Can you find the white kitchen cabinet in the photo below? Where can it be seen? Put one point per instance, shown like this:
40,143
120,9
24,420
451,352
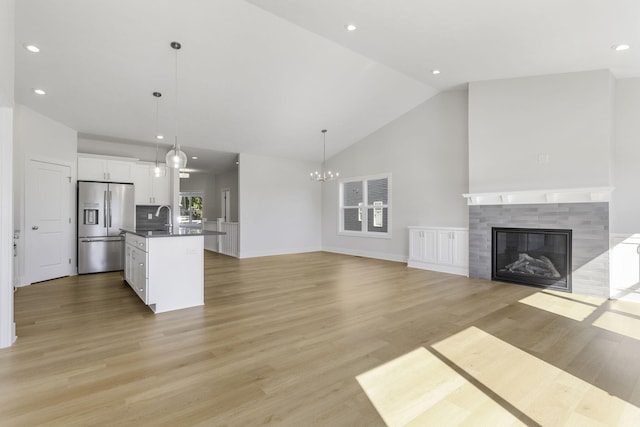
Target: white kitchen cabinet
105,168
439,249
140,279
127,263
423,244
149,189
136,271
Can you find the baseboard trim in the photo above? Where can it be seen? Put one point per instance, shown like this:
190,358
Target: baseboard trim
451,269
366,254
257,254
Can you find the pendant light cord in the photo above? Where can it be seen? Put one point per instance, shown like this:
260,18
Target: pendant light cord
324,151
177,106
157,96
157,130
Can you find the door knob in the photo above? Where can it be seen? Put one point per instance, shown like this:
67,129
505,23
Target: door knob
35,227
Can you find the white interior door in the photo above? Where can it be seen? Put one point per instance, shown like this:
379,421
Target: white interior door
226,205
47,221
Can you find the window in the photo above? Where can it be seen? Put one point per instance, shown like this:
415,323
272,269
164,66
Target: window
365,206
191,209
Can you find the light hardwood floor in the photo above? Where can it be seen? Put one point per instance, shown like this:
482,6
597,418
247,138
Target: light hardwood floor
319,339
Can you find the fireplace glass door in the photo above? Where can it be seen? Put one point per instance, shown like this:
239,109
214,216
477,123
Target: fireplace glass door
539,257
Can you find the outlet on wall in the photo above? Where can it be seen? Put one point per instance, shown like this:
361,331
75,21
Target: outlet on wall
544,158
149,216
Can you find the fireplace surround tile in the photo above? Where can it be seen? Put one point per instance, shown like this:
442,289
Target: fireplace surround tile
590,248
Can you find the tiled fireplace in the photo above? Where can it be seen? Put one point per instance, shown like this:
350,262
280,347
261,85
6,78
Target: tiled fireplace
587,221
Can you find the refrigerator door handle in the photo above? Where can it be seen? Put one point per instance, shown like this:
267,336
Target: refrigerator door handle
104,209
109,209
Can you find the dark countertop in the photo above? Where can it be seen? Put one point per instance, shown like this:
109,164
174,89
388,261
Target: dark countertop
175,232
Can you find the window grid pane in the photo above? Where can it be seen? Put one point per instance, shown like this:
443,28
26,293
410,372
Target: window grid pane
350,218
377,191
371,228
352,193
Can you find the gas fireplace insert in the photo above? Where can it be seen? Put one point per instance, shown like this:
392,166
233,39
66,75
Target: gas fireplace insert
531,256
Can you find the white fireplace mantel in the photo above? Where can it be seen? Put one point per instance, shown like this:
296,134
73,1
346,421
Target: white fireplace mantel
558,195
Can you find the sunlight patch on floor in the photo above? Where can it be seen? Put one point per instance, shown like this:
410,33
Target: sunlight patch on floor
620,324
418,389
545,393
629,307
574,307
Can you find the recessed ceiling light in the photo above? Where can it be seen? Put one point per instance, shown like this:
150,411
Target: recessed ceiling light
32,48
351,27
159,136
194,157
39,91
620,47
435,72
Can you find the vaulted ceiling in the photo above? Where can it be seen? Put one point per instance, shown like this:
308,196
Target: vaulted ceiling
265,76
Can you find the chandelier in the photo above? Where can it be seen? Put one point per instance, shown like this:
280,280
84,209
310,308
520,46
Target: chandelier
324,175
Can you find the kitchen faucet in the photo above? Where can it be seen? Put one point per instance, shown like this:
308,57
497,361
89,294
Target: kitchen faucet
170,216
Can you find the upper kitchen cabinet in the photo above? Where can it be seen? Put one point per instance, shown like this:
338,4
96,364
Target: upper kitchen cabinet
105,168
151,190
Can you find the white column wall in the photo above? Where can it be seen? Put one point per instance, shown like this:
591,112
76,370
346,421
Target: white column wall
626,203
7,326
7,65
279,206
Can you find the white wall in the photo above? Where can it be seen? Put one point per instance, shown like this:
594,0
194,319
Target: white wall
279,206
425,150
626,203
95,145
7,54
227,180
7,61
565,116
38,137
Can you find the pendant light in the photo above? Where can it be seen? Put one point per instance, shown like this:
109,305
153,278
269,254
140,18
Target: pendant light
324,175
175,157
157,170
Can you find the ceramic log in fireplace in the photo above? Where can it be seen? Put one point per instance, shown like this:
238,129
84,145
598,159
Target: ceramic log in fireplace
531,256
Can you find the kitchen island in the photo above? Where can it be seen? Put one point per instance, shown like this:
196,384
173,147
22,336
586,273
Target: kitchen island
165,268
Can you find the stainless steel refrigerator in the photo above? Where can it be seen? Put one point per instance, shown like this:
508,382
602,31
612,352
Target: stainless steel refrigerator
103,209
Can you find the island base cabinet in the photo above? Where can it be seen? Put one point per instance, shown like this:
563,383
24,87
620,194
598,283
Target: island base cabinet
176,272
167,273
139,273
